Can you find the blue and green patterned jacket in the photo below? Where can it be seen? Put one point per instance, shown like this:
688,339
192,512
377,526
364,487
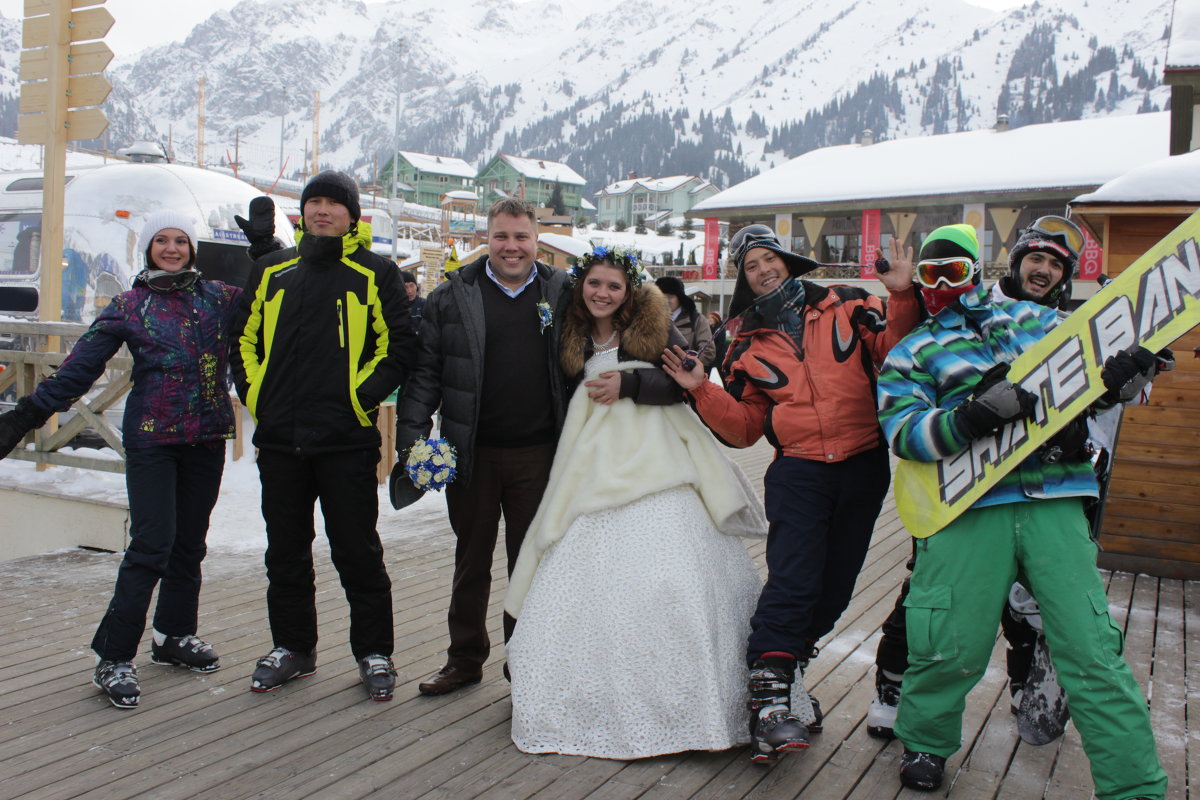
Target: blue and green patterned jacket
935,368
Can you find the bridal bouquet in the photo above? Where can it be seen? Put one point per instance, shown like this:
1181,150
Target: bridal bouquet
431,464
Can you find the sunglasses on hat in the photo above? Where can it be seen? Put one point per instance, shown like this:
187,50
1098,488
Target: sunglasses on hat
1063,229
948,272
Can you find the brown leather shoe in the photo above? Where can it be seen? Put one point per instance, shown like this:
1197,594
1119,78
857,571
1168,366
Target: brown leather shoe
449,679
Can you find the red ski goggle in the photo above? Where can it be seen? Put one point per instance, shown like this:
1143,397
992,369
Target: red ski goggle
948,272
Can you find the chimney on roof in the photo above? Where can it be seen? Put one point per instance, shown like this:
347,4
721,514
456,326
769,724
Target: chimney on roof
542,164
867,137
439,159
1002,123
632,176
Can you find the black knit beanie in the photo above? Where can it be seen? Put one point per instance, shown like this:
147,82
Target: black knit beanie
337,186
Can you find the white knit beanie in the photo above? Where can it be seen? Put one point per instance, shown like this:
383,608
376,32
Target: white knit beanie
160,220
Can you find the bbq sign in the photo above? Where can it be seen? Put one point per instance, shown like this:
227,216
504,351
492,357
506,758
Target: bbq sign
1152,303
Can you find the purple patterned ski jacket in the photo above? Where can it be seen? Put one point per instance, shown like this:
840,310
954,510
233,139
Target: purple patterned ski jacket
180,346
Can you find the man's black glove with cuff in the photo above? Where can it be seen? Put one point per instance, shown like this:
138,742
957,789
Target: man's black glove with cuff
994,403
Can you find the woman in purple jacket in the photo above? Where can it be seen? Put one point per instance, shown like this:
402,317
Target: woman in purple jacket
177,416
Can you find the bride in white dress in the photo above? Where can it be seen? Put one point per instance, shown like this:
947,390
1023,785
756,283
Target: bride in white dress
632,592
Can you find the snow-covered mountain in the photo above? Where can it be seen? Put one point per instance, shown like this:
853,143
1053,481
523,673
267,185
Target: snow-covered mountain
719,88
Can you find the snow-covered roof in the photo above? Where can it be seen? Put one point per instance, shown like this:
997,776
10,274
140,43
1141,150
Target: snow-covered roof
1058,155
564,243
1183,50
462,194
651,184
443,165
586,204
1174,179
543,170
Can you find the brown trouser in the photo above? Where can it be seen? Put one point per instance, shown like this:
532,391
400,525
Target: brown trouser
503,480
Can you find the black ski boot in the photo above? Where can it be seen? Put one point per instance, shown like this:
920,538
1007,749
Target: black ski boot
774,729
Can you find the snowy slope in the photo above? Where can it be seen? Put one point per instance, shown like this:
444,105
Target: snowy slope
470,75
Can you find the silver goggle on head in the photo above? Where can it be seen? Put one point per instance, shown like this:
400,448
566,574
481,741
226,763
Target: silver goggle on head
756,235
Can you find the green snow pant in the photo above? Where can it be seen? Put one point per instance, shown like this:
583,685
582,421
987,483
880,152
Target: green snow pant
962,577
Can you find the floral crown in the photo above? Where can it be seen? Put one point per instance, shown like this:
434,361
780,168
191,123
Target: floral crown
626,260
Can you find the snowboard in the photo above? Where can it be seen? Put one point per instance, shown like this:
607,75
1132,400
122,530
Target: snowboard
1043,713
1152,303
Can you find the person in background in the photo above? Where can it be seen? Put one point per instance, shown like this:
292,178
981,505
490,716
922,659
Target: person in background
689,321
324,337
416,303
943,387
802,372
179,329
489,359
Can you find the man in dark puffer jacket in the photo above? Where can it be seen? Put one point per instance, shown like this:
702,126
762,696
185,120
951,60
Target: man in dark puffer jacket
489,357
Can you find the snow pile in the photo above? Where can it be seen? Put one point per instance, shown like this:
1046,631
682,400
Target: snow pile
1175,179
236,525
1054,155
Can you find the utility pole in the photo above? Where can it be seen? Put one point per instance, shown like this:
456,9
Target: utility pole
200,125
282,119
237,158
316,136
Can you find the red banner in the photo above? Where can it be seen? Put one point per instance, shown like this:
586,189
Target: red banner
712,245
1091,260
870,242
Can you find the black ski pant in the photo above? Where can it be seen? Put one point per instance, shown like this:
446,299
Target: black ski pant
345,484
172,490
821,519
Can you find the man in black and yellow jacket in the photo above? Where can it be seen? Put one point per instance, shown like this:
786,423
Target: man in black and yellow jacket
325,336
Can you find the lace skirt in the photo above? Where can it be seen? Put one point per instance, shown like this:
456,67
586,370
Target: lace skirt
631,642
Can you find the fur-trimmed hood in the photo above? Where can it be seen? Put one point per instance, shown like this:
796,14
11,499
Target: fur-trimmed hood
644,339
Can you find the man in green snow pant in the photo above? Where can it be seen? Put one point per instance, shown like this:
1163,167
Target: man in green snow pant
962,577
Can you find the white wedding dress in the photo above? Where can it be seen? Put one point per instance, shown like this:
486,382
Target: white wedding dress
631,638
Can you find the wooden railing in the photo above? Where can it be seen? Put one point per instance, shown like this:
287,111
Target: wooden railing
25,368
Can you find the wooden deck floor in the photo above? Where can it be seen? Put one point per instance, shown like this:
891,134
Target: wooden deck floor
207,736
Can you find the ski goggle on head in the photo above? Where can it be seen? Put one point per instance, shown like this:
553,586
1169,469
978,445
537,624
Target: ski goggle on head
749,237
948,273
1064,230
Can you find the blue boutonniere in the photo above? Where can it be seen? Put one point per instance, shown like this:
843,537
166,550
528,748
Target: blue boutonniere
545,315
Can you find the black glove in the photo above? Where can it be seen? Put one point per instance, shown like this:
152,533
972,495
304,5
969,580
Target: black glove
18,422
1070,444
260,228
1126,373
995,403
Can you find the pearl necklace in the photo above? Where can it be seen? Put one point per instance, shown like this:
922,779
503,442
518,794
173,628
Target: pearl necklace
607,344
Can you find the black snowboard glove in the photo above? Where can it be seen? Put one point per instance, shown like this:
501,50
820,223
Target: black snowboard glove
18,422
1126,373
994,403
260,228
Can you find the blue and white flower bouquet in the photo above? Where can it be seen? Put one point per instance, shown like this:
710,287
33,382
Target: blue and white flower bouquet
431,464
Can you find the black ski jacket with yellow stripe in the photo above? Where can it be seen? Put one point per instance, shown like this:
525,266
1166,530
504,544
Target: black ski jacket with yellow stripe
324,337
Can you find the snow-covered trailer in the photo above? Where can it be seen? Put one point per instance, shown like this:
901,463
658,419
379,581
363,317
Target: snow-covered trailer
105,208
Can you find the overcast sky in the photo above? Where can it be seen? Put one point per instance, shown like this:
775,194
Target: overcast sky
145,23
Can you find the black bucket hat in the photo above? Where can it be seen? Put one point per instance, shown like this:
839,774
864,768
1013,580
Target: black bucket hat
745,240
674,286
